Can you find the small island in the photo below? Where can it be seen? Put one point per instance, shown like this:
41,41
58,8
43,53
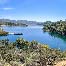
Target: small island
2,32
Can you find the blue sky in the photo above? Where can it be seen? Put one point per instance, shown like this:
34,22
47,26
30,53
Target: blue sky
36,10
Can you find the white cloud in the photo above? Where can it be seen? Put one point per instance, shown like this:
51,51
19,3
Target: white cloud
8,8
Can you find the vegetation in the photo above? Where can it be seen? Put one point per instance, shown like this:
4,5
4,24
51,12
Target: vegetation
9,22
24,53
12,24
2,32
56,27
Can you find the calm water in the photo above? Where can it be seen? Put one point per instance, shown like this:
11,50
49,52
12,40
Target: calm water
36,33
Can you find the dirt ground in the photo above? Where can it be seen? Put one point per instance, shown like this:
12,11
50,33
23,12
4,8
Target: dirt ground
61,63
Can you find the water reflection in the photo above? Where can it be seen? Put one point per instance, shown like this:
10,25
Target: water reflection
57,35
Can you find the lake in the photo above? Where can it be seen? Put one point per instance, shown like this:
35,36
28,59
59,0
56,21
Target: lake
36,33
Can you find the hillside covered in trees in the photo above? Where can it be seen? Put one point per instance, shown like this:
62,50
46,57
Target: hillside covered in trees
55,27
9,22
25,53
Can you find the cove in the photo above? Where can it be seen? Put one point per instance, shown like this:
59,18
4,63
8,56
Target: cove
36,33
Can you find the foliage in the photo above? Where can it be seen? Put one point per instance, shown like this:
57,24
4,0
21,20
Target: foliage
56,27
22,52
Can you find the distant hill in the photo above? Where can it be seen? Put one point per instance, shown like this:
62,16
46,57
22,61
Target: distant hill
25,22
30,22
9,22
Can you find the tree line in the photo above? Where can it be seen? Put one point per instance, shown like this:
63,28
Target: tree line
55,27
